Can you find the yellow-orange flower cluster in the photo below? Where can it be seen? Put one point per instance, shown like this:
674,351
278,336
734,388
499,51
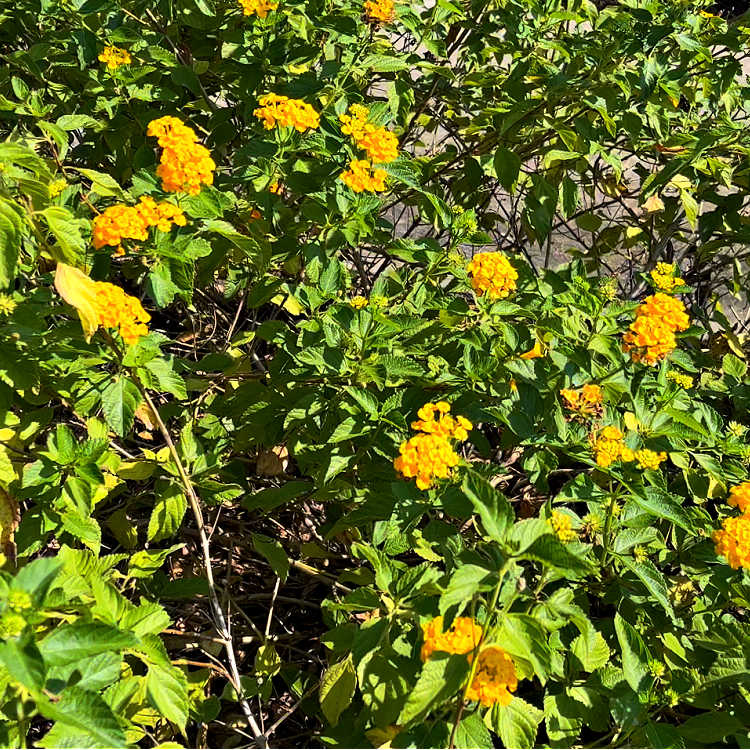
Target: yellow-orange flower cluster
562,526
380,11
733,541
609,447
648,459
362,177
285,112
462,637
259,8
495,678
664,278
120,222
185,164
492,274
652,334
380,145
739,497
585,401
114,57
430,454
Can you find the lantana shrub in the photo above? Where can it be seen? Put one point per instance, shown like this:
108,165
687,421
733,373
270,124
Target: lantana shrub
373,375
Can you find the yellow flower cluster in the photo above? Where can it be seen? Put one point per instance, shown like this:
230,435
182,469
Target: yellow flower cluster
739,497
380,11
492,273
664,277
358,302
56,187
380,145
285,112
685,381
585,401
121,222
430,455
259,8
185,164
733,541
609,447
495,678
462,637
362,177
114,57
562,525
648,459
652,334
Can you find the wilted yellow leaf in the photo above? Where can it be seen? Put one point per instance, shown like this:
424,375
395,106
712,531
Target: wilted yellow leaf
77,289
631,421
10,517
653,204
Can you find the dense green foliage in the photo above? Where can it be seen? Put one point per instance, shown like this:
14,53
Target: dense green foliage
205,540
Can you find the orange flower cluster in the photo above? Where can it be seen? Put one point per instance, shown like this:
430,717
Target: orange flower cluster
120,311
652,334
462,637
664,277
733,538
114,57
380,144
185,165
492,273
285,112
609,447
495,678
362,177
739,497
585,401
380,11
430,455
259,8
121,222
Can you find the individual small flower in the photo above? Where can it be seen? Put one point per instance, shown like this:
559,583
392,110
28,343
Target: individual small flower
495,678
277,110
733,541
358,302
354,120
492,274
435,419
361,177
739,497
684,381
114,57
462,637
56,187
651,336
259,8
7,304
379,11
648,459
562,525
640,553
609,447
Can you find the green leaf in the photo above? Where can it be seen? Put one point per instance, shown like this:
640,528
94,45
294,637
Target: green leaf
274,553
337,689
82,719
67,231
661,504
167,691
517,723
733,366
507,167
590,649
652,579
522,636
635,655
491,506
441,678
710,728
384,63
24,663
103,184
464,583
79,640
146,562
120,399
471,732
168,512
550,550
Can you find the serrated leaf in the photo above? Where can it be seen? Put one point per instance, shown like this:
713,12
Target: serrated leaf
274,553
652,579
71,642
441,678
590,649
663,505
167,691
337,689
491,506
120,399
517,723
168,512
635,655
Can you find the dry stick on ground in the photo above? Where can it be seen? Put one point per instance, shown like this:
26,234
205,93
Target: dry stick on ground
221,624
